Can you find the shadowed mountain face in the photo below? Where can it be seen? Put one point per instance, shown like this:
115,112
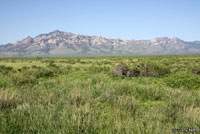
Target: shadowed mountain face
58,43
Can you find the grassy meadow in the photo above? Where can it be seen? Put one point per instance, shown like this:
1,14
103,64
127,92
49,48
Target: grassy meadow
99,95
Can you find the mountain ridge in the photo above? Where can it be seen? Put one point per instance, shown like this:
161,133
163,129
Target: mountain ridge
58,43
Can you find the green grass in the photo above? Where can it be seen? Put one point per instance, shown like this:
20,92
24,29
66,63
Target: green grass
80,96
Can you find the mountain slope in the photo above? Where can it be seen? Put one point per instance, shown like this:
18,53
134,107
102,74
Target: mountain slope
58,43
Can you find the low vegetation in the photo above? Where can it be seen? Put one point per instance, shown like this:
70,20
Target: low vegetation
99,95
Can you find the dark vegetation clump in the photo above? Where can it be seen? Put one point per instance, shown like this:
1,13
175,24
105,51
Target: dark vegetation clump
140,70
52,65
24,68
27,75
20,79
42,73
153,70
36,67
125,70
195,70
5,70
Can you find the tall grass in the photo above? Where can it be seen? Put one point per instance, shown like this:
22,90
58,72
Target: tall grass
80,96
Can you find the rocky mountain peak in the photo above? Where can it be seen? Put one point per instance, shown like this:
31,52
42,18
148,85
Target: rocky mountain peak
25,41
59,43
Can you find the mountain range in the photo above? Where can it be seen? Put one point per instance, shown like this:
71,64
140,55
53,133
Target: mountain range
66,44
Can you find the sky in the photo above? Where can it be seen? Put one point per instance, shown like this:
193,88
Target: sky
124,19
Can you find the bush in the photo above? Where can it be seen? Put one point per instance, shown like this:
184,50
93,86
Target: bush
42,73
24,68
52,65
122,69
142,70
187,81
195,70
153,70
71,61
31,76
69,67
35,67
5,70
23,78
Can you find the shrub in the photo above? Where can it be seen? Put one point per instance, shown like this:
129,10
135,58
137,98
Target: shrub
31,76
153,70
42,73
143,70
24,68
71,61
187,81
122,69
195,70
83,62
69,67
106,62
5,70
20,79
52,65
